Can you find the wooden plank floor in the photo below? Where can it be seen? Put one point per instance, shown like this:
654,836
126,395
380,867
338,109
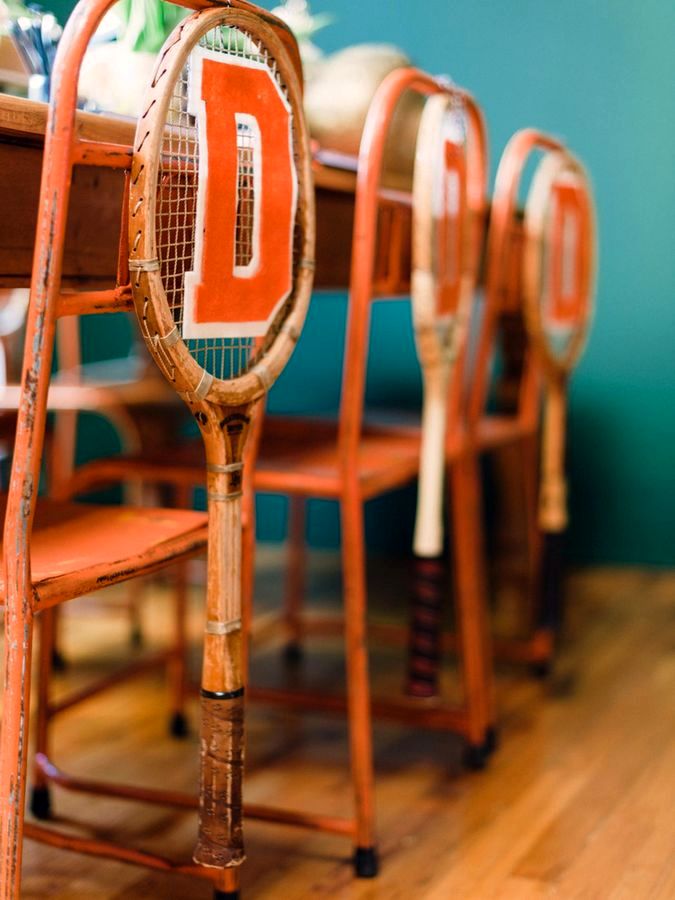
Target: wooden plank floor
577,803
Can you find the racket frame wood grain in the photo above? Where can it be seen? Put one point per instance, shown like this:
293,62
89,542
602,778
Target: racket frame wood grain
440,343
556,364
222,407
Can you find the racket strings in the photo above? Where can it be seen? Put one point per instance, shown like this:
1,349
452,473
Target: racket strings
246,195
224,358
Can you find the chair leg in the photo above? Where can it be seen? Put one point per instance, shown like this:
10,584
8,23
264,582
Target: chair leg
178,726
227,885
529,453
540,624
136,493
475,655
40,797
14,740
358,685
512,546
134,601
295,579
59,663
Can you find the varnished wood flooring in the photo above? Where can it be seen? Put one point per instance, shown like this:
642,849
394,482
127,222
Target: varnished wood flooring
579,801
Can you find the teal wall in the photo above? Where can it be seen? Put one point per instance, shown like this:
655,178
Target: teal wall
600,73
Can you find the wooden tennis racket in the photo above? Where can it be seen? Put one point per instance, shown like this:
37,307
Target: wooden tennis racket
558,285
221,243
449,186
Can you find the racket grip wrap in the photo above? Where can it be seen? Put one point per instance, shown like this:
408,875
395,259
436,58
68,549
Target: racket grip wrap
552,576
221,841
424,650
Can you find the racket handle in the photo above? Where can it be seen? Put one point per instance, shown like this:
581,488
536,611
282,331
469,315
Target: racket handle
551,582
221,842
424,649
553,486
428,535
553,509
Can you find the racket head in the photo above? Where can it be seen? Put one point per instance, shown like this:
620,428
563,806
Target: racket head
444,261
221,208
559,260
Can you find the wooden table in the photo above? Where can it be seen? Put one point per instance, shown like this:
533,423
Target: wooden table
96,203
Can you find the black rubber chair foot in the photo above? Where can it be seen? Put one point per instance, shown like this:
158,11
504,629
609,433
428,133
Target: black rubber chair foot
476,757
59,663
542,669
293,653
178,726
40,802
491,740
366,863
225,895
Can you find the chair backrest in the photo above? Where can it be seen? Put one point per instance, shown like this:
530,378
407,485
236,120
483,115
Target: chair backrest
371,198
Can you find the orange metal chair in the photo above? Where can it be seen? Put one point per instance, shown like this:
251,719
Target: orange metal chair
305,458
513,296
503,407
65,550
352,461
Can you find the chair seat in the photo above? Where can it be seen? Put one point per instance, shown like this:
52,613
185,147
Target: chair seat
495,430
181,464
301,456
296,456
77,548
127,382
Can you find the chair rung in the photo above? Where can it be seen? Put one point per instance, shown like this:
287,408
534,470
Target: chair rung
179,800
152,661
111,850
